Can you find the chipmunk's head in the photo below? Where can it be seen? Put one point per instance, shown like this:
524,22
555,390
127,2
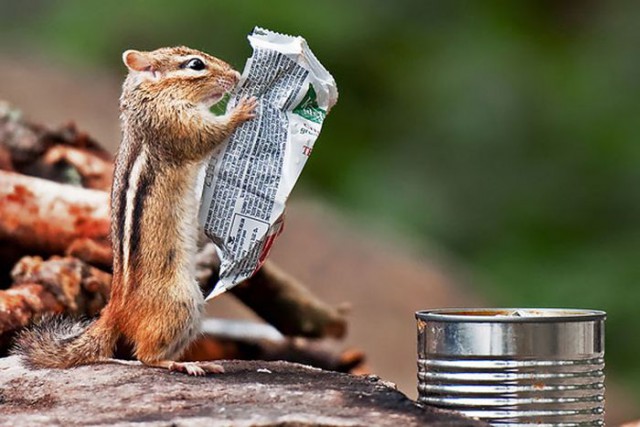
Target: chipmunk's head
180,74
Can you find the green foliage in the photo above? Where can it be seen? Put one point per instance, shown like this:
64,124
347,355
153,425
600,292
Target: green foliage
505,131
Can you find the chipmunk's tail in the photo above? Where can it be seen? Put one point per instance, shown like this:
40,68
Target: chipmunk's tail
59,342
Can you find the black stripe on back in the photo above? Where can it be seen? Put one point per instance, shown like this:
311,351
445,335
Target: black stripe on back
145,183
118,216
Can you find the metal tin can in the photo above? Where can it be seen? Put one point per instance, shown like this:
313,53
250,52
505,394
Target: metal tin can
515,367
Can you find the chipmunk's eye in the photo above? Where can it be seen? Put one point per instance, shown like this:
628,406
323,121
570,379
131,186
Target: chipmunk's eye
194,64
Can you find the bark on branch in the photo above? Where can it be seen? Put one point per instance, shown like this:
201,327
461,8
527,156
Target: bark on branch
41,217
59,285
291,307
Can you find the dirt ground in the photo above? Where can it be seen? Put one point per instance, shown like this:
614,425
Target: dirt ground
339,258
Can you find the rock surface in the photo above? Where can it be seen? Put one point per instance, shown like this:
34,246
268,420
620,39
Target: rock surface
248,394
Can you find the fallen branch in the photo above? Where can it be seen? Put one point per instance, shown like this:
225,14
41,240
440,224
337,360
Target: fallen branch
278,298
94,171
59,285
42,217
288,306
80,288
63,155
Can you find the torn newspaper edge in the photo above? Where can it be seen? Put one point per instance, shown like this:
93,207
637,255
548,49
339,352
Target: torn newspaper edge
250,176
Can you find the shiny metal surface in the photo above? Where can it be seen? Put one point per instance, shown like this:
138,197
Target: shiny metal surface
515,367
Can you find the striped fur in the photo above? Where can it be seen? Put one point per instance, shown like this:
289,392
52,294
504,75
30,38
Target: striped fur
155,301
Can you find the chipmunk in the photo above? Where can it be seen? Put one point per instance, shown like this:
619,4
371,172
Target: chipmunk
167,133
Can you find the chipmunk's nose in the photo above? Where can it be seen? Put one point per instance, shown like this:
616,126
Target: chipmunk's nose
236,76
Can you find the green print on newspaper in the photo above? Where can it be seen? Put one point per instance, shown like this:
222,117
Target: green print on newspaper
308,107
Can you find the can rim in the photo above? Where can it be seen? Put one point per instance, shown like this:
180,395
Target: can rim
504,315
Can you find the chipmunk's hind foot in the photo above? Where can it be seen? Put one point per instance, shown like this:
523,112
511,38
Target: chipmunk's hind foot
196,369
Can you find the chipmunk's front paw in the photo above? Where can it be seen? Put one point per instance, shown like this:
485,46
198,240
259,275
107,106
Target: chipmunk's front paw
245,109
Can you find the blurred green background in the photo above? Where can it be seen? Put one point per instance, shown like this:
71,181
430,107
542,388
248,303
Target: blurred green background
504,132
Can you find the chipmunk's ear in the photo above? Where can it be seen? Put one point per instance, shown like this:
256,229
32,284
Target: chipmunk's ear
137,61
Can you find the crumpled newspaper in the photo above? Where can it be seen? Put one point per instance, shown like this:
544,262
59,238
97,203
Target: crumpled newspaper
250,176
